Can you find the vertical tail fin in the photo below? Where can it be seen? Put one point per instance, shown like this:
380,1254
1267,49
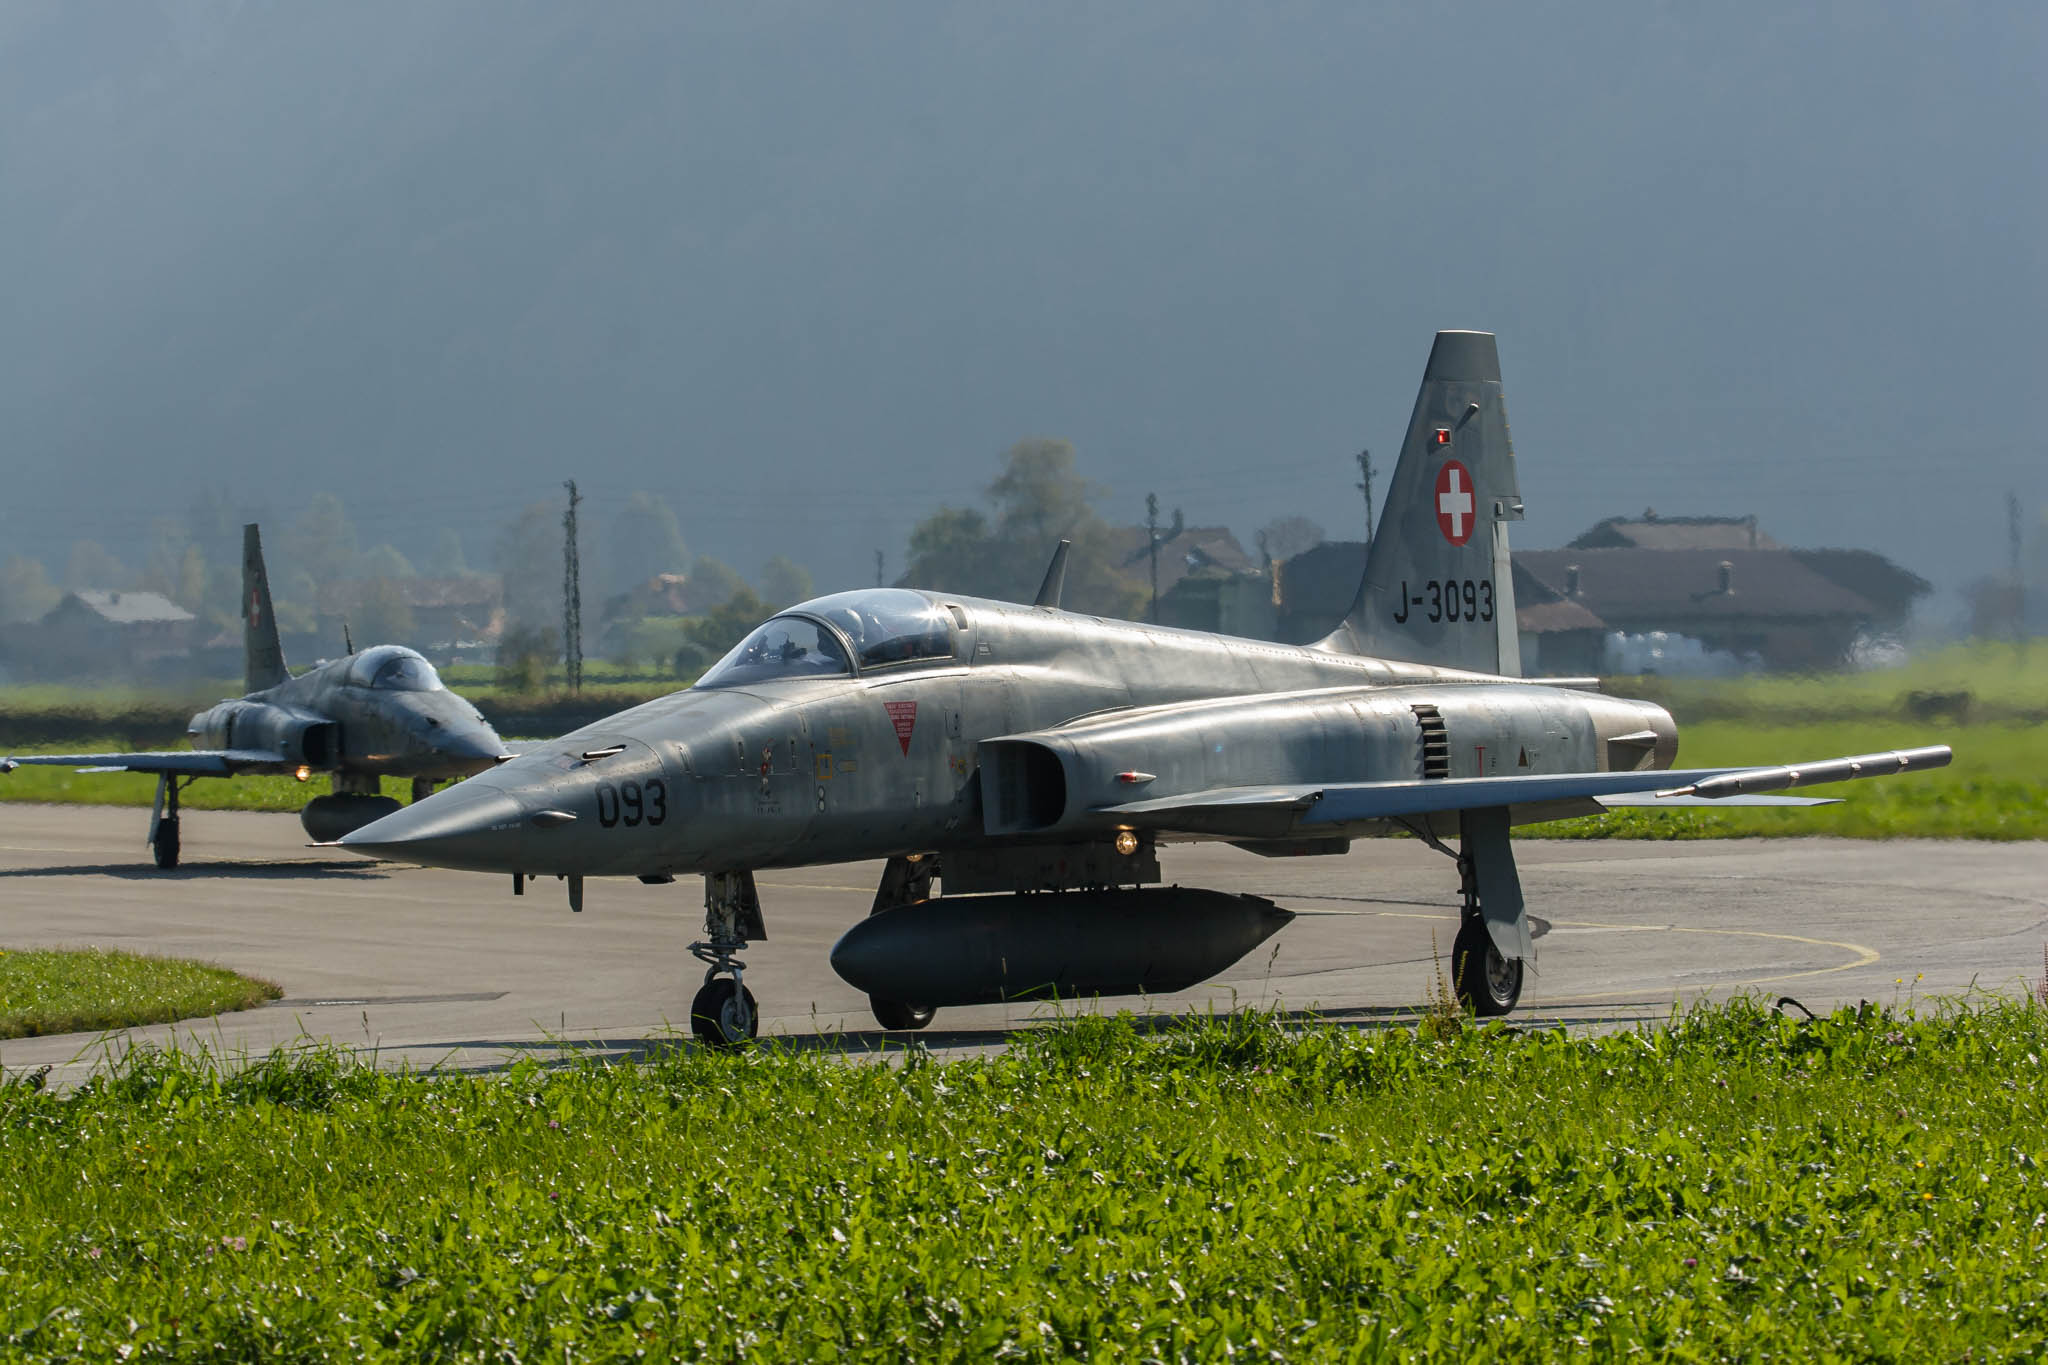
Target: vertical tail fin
263,655
1438,586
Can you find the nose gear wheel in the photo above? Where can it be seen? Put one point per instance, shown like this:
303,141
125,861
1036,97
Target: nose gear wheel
723,1013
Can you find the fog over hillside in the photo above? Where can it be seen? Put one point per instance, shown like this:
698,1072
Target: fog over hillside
807,270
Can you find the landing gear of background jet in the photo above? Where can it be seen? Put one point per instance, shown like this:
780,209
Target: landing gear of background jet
723,1014
422,788
904,880
163,822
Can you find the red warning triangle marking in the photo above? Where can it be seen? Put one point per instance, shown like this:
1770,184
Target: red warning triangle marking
902,715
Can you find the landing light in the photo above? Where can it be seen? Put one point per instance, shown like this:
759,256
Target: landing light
1126,842
303,772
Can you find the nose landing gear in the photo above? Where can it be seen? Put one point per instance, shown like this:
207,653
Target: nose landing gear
723,1014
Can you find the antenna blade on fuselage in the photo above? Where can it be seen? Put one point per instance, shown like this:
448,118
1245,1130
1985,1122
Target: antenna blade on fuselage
1055,584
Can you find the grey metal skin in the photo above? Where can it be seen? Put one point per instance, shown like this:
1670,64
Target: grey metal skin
379,712
1014,750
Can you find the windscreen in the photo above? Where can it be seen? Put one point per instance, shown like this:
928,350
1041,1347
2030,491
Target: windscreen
786,647
393,668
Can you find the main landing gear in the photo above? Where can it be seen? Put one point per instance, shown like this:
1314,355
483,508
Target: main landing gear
723,1014
904,881
1493,942
163,820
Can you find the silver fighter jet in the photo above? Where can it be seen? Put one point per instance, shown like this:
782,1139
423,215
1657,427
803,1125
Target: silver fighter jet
1031,763
380,712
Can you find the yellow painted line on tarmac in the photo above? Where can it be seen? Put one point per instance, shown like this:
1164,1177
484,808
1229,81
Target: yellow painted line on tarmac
1864,956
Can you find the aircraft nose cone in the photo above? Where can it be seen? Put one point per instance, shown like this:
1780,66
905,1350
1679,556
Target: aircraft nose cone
470,826
477,744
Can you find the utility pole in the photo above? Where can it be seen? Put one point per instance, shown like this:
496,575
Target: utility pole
1152,548
1153,540
572,593
2019,576
1365,487
878,568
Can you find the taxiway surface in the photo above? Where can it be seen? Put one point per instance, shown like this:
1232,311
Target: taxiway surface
428,966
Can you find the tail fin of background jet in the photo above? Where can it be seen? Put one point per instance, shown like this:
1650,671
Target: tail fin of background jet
1438,586
263,654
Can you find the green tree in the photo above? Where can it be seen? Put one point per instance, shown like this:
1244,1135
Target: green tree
713,584
383,616
1039,496
213,527
952,549
383,561
322,542
525,654
163,559
194,580
1040,499
718,630
92,566
447,559
784,582
26,592
645,541
528,556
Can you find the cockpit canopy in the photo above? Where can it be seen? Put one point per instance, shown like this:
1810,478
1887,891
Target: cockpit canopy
885,626
393,668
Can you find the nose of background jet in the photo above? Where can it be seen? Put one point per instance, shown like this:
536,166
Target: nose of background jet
474,743
471,826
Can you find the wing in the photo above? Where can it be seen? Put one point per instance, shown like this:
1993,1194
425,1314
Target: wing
182,762
1276,812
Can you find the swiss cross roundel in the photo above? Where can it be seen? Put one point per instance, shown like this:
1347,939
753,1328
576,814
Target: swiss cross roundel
1455,502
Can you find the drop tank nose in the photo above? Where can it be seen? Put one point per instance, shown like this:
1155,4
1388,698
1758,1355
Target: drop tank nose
473,826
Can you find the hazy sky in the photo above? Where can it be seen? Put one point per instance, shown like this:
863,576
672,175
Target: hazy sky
807,270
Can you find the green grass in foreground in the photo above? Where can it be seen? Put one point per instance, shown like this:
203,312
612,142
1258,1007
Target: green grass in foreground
1736,1187
79,990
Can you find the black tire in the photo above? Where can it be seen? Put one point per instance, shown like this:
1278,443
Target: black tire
165,845
898,1017
1486,983
716,1016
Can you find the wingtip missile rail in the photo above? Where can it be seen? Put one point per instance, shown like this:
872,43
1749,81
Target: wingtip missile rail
1791,775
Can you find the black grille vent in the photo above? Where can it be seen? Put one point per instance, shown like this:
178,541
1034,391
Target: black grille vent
1436,741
